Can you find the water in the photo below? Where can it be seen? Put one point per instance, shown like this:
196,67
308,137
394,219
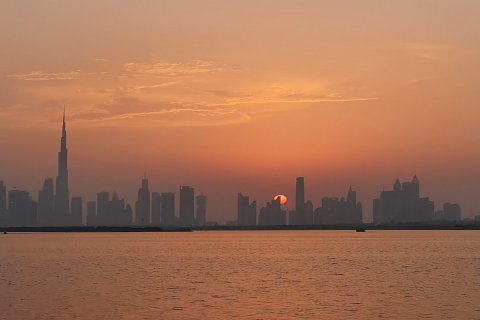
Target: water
241,274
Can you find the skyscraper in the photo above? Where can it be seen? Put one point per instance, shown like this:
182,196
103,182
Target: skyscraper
118,214
142,206
339,211
299,195
246,211
303,214
91,213
62,198
3,201
168,209
187,207
46,204
156,208
272,214
76,211
403,204
452,212
22,209
201,215
103,208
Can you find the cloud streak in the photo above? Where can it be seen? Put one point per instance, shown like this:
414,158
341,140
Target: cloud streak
170,117
173,69
45,76
292,101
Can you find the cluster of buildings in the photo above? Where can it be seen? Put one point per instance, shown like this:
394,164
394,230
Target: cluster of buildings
401,205
404,204
55,207
333,210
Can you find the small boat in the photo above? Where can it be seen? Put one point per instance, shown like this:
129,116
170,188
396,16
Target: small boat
359,230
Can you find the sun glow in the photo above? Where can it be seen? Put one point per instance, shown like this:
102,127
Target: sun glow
283,199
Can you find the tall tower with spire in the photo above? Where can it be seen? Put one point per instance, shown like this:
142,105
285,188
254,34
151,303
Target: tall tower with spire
62,198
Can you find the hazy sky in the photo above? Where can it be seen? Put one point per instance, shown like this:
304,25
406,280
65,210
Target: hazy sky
232,96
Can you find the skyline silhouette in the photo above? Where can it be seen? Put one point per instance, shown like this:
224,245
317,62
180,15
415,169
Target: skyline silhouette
195,96
403,204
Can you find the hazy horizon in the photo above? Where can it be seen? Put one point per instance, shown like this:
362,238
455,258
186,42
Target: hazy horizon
243,96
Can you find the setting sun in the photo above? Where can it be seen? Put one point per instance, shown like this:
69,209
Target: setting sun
283,199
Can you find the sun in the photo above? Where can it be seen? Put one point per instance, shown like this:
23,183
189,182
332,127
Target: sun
283,198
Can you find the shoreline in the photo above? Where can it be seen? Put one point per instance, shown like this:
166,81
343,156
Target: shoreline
366,227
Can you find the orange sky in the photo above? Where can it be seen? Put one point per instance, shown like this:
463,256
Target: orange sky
232,96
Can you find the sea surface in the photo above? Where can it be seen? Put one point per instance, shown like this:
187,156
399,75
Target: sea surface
241,275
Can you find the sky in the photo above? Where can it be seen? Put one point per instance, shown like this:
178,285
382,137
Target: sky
243,96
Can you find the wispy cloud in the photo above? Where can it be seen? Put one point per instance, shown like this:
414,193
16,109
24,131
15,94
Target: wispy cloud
169,117
138,88
173,69
45,76
289,101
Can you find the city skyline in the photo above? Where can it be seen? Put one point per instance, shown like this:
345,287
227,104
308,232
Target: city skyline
244,96
404,204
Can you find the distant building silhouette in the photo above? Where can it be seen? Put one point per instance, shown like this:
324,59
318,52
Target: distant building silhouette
201,214
303,214
168,209
339,211
119,214
62,197
452,212
403,204
110,212
299,194
46,204
272,214
21,208
142,206
103,208
129,214
246,211
76,211
156,208
187,206
3,202
91,213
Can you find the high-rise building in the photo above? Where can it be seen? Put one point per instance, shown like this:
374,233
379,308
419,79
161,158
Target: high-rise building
272,214
142,206
339,211
46,204
22,209
76,211
187,206
118,214
156,208
201,214
403,204
129,213
303,214
3,201
91,213
103,208
246,211
299,194
452,212
62,198
168,209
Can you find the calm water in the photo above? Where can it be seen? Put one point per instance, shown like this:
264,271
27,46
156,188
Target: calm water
244,274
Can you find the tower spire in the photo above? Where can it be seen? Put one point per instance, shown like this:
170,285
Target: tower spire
62,197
